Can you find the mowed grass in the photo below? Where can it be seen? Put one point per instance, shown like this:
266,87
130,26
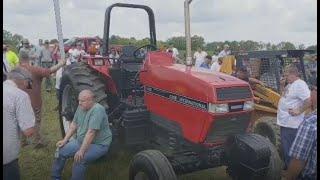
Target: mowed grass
35,164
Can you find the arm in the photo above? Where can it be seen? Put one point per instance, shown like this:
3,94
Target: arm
295,168
282,85
28,132
306,105
90,135
25,115
301,149
303,93
71,131
57,66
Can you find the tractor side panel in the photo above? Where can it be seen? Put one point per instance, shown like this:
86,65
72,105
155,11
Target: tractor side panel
190,119
175,97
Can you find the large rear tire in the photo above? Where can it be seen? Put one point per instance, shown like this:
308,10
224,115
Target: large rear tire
75,78
151,165
239,171
275,164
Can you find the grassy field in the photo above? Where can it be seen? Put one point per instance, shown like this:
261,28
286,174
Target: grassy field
36,164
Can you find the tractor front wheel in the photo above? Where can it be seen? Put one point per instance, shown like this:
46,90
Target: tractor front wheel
151,165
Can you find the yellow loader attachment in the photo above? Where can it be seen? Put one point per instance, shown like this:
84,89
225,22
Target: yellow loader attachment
267,94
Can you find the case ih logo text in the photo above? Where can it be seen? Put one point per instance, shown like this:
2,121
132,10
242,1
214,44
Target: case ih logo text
178,98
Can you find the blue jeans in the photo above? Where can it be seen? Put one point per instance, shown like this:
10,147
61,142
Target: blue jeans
11,171
93,153
287,137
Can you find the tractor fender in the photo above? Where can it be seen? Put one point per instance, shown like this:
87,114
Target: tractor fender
104,72
252,156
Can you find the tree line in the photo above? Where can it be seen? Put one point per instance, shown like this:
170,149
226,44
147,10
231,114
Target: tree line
179,42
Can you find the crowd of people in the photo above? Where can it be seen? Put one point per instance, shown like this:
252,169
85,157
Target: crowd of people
22,106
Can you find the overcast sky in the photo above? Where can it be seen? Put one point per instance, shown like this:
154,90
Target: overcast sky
259,20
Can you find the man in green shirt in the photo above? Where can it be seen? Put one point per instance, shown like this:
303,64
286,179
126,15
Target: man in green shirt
93,137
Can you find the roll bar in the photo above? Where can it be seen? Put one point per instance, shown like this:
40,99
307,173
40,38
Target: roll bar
152,27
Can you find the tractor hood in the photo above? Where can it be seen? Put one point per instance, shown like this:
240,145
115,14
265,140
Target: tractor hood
200,84
180,96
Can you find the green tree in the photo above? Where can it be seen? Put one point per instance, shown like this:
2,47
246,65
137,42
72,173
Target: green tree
13,40
178,42
313,47
286,46
196,41
301,46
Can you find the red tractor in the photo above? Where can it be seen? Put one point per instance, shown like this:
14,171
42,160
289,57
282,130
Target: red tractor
184,119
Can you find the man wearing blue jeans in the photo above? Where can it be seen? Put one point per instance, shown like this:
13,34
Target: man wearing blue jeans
295,99
93,137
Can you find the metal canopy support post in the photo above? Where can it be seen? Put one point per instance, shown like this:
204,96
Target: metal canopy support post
187,31
59,27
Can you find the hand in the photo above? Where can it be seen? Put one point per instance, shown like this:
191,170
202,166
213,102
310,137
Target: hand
294,112
61,143
63,61
283,81
78,156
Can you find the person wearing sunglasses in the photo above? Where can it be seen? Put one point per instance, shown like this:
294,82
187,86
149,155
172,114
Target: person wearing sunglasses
303,152
18,116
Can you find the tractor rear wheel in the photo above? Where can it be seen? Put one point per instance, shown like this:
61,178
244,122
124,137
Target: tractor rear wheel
275,164
267,126
243,171
151,165
75,78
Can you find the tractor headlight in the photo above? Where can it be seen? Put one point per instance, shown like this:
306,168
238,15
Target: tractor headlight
218,108
98,62
248,105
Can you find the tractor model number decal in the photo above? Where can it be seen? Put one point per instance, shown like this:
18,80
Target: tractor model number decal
177,98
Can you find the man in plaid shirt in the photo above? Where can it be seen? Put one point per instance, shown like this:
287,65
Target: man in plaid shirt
303,152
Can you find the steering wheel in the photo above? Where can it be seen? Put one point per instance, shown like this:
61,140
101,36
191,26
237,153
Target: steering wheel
140,55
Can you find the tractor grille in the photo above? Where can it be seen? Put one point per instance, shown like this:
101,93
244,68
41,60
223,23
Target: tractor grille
233,93
222,127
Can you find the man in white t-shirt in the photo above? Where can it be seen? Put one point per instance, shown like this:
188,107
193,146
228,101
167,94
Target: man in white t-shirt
225,52
199,56
174,50
76,53
295,99
215,67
